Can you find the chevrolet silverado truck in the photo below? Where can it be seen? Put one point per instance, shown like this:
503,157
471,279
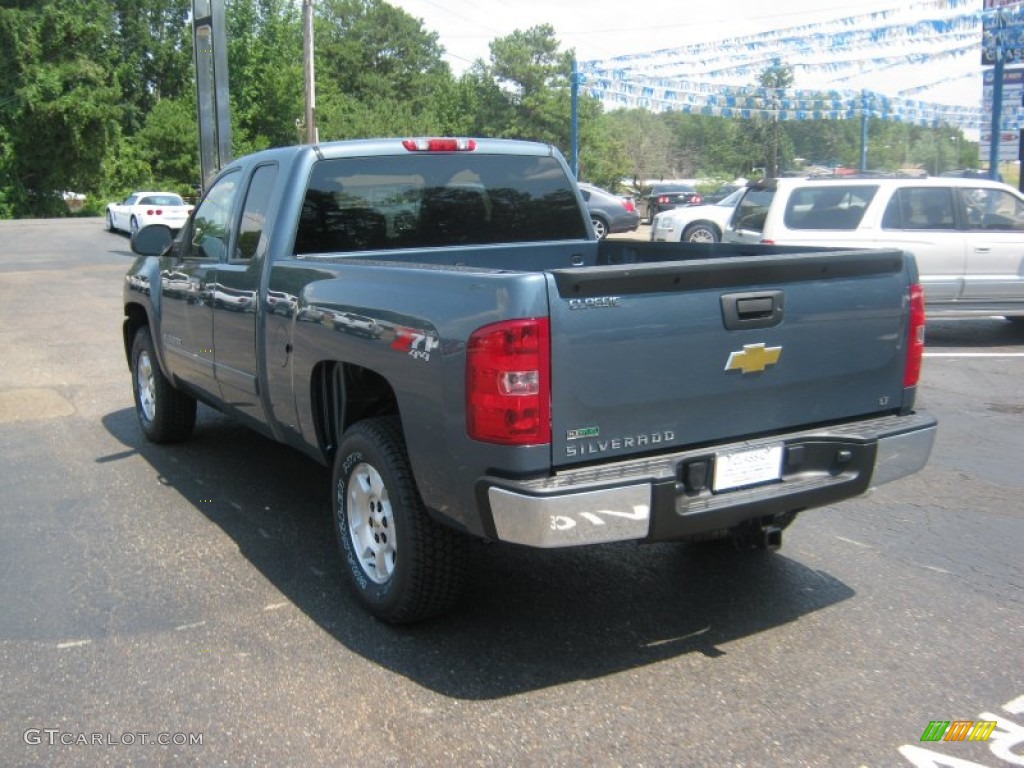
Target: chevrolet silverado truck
436,319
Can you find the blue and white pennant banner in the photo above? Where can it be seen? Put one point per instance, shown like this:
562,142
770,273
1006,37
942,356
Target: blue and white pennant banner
692,79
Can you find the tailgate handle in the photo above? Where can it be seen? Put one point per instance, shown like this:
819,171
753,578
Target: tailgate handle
760,309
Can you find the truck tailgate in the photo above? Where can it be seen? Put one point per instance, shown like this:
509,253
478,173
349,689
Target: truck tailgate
652,356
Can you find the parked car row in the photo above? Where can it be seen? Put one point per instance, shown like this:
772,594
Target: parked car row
966,234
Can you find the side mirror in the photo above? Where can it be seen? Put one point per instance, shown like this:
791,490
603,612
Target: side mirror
152,240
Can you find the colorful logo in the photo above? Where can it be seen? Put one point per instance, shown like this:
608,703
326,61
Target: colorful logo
754,358
958,730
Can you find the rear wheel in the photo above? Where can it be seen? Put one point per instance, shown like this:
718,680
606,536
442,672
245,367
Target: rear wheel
402,565
134,226
166,415
600,228
701,233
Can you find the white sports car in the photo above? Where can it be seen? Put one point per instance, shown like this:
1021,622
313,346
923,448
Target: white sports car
142,208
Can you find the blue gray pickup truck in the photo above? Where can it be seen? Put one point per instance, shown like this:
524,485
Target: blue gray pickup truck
436,319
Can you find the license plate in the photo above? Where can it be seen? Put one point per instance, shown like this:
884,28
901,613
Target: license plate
742,468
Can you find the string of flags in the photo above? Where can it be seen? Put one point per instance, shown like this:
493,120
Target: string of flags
694,79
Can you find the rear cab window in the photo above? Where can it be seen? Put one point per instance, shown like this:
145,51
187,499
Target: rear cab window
387,202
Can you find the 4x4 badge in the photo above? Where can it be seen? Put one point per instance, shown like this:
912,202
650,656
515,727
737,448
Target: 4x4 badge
753,359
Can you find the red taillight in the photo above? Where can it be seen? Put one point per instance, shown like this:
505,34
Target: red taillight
149,212
696,200
915,337
439,145
662,199
508,383
628,205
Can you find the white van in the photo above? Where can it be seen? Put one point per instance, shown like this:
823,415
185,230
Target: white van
967,235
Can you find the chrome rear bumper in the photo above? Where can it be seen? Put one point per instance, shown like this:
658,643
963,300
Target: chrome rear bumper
651,498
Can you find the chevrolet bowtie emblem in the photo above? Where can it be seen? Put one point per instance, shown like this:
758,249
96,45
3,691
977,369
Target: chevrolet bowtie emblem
753,359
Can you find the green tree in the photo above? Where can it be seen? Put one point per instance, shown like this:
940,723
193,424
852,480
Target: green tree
378,70
770,135
265,73
528,81
168,144
151,44
60,101
649,139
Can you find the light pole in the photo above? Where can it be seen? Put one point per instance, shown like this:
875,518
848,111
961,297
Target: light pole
956,162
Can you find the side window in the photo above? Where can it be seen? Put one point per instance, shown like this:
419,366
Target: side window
254,214
920,208
211,226
992,209
832,207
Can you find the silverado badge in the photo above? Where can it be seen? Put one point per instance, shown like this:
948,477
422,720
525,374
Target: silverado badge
753,359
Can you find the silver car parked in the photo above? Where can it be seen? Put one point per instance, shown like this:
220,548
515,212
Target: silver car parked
609,213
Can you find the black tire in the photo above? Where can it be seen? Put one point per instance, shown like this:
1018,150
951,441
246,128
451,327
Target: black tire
166,415
600,228
701,233
378,514
110,222
133,226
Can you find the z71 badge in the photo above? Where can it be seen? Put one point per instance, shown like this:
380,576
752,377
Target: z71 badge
417,344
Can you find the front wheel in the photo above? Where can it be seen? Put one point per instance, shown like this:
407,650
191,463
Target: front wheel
403,566
110,222
166,415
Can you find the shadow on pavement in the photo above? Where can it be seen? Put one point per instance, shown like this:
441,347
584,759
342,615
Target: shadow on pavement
980,332
530,619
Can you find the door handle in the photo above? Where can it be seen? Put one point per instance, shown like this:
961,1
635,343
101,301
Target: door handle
758,309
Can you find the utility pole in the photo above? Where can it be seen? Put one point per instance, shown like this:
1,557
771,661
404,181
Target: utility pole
210,51
312,135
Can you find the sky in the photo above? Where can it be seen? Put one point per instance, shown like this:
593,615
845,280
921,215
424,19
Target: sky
603,29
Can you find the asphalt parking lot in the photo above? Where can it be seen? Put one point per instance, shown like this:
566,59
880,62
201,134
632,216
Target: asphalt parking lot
185,606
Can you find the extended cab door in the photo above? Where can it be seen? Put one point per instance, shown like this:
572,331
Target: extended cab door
235,309
189,288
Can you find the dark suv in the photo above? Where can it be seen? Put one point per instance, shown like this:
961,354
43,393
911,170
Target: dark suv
665,197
